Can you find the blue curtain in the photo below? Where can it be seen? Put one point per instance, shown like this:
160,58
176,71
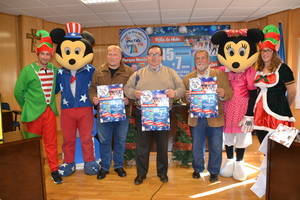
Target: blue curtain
281,51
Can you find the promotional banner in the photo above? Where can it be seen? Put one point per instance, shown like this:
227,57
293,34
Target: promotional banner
179,44
204,99
155,110
111,103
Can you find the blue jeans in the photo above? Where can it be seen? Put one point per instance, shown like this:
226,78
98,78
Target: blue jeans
214,137
116,132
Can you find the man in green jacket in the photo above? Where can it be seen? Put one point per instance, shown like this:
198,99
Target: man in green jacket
35,93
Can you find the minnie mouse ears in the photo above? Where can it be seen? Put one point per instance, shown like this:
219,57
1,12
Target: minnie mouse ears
255,35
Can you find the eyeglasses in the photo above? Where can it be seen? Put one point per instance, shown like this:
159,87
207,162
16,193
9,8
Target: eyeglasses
154,54
266,50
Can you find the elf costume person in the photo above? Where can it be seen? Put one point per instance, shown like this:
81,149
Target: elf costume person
277,90
34,92
276,84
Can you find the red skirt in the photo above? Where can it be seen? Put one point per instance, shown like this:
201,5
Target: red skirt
263,119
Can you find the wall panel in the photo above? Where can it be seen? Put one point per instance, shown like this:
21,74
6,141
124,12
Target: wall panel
9,58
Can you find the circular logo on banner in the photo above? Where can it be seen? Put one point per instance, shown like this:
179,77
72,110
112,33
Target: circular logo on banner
195,84
103,90
147,96
134,42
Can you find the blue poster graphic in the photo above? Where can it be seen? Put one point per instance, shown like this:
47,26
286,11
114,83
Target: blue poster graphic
179,44
204,99
155,110
111,104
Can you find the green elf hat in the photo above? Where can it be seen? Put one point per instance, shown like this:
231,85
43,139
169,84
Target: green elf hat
46,43
272,38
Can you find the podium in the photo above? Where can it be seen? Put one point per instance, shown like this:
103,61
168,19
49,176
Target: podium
22,170
283,171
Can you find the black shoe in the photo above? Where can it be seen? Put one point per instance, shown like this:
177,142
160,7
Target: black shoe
213,178
101,174
196,174
163,178
56,177
121,172
139,180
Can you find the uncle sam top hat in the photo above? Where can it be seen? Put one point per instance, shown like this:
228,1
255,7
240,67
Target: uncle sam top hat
73,30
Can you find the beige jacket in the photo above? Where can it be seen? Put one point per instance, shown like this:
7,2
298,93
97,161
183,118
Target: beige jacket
147,79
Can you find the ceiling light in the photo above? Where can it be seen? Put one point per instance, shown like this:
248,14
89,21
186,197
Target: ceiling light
98,1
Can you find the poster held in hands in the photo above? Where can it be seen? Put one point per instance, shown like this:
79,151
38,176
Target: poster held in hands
204,99
155,110
111,103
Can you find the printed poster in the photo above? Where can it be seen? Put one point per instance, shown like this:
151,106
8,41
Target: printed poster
155,110
284,135
111,104
204,99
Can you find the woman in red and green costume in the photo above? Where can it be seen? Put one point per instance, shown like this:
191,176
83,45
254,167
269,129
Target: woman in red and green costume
35,93
274,79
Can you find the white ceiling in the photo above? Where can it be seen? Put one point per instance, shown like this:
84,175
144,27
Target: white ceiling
142,12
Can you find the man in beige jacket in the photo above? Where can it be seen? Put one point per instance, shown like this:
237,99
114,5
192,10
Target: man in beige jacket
210,128
155,76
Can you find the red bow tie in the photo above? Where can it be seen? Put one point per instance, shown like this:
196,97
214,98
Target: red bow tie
73,78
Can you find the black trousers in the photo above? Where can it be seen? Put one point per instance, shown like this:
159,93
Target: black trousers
143,146
261,134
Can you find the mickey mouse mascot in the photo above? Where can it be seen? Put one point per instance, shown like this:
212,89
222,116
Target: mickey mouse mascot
74,53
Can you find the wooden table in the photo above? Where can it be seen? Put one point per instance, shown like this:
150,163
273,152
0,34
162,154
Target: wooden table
22,170
283,172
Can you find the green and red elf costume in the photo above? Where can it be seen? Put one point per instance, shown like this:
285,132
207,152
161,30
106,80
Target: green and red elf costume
272,107
35,93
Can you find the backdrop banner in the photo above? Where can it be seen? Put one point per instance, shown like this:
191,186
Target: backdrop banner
179,44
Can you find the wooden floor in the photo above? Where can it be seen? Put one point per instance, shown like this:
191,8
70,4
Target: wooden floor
181,185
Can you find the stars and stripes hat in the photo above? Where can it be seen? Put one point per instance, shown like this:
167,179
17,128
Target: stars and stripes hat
46,43
73,30
272,37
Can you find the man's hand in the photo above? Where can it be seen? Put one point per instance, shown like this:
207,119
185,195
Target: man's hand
95,101
170,93
247,124
220,92
126,101
138,94
188,96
